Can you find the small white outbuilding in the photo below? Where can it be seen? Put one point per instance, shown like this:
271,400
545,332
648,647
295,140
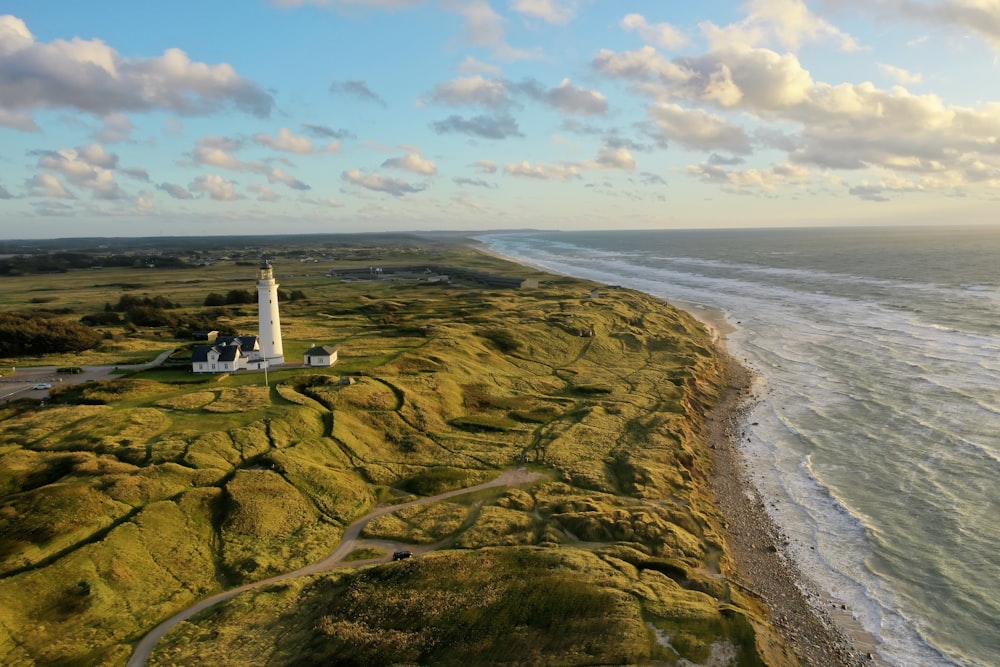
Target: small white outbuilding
320,355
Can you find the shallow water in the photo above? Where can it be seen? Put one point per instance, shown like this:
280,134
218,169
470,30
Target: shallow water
877,437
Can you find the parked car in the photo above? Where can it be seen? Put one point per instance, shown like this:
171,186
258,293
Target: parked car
42,385
400,555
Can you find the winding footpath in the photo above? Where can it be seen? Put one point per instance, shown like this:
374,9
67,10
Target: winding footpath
348,542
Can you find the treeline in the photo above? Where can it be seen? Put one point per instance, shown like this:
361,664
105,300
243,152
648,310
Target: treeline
182,324
133,311
139,310
157,311
239,297
33,333
61,262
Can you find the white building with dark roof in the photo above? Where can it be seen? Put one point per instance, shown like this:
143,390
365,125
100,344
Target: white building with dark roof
320,356
232,353
220,358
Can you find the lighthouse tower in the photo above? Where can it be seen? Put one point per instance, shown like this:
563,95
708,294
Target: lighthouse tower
269,329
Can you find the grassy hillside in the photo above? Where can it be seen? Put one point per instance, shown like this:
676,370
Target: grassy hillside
128,500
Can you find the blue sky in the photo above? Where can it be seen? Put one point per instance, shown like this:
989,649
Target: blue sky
121,118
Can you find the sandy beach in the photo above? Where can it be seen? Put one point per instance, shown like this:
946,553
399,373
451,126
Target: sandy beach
819,633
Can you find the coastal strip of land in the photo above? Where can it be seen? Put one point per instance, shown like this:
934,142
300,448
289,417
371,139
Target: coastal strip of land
163,488
756,545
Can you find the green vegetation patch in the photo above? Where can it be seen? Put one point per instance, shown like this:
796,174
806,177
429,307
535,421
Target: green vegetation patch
484,423
365,553
482,608
241,399
269,526
439,479
500,526
422,524
190,401
126,500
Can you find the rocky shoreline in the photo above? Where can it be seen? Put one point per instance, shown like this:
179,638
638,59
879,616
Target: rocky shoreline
756,545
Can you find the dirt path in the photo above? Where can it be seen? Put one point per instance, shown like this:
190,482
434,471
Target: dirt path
347,544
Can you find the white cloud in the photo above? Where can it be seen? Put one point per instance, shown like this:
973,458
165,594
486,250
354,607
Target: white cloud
216,151
88,75
501,126
979,17
644,64
748,181
144,202
611,157
47,185
175,191
412,162
473,182
472,91
286,141
358,89
901,75
279,175
472,66
540,171
553,11
697,129
396,187
486,166
263,192
567,98
117,128
789,23
661,35
465,200
757,79
215,186
18,120
97,156
497,94
483,26
90,167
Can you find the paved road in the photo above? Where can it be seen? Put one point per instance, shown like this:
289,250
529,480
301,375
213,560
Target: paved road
13,385
336,559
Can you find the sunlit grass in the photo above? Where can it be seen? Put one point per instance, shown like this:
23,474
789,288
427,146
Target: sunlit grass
157,488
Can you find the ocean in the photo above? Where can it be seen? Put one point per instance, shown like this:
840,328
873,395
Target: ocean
876,436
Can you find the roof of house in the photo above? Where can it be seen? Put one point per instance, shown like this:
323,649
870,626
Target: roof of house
321,351
226,352
229,352
246,342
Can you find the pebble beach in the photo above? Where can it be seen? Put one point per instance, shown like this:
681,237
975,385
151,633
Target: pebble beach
820,633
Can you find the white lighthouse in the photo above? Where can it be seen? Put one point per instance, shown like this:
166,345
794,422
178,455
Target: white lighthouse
269,330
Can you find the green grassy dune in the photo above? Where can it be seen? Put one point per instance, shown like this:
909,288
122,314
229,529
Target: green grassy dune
128,500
